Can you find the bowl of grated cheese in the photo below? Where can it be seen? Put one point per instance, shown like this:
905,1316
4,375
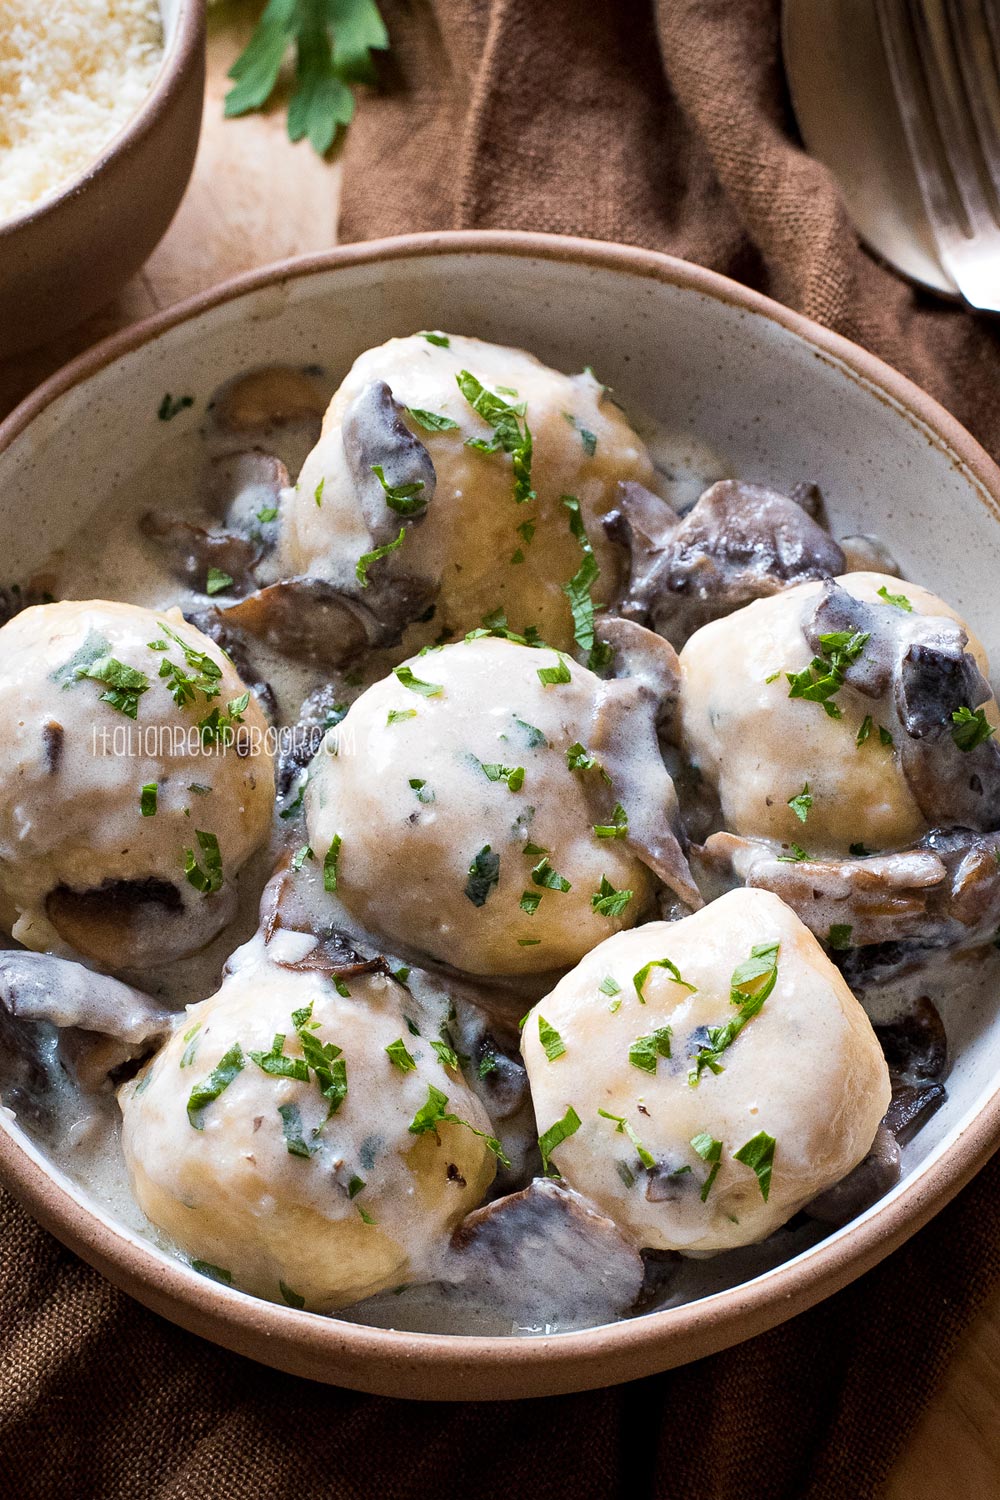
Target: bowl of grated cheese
100,110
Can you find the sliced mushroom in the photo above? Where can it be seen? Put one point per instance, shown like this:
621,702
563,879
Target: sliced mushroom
213,623
740,542
274,396
376,438
62,1024
912,1106
544,1256
644,656
944,892
914,1043
245,485
133,924
320,711
190,550
871,1179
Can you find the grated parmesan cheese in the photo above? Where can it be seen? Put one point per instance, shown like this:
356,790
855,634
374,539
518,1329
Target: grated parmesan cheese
72,73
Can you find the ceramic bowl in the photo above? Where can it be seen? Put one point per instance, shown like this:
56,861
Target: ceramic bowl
69,256
778,399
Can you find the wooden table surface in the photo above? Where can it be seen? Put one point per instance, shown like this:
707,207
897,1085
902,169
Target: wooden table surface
254,198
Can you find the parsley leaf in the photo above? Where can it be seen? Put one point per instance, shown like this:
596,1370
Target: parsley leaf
552,676
508,433
751,984
645,1051
543,874
552,1043
758,1153
366,559
440,340
969,729
555,1135
124,684
400,1057
430,421
217,581
624,1128
415,685
639,979
607,901
901,602
801,803
330,862
170,407
578,592
617,828
797,855
710,1150
824,676
209,879
404,499
291,1125
147,799
205,1093
839,936
484,874
435,1112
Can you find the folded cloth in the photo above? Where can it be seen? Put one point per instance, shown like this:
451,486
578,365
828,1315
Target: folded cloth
663,125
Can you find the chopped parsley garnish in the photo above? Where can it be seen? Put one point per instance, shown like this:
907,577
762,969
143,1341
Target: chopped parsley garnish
423,791
404,499
553,676
758,1153
609,986
267,513
484,874
300,856
645,1051
867,725
554,1136
205,1093
170,407
277,1064
710,1150
291,1298
446,1056
331,861
217,581
415,685
400,1057
529,902
182,685
797,855
440,340
639,980
839,936
624,1128
552,1043
435,1112
365,561
587,438
214,1273
291,1124
608,902
191,1037
901,602
324,1058
534,736
494,771
124,684
508,433
824,676
318,492
801,803
147,799
752,982
885,738
396,714
543,874
209,879
217,726
969,729
578,592
431,421
579,758
617,828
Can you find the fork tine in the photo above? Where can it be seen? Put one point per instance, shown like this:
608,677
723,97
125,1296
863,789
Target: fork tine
977,65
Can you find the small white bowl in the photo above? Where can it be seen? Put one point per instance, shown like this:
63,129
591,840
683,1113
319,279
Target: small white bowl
780,400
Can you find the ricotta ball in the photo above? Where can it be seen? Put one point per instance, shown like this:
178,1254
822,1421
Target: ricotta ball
702,1080
488,548
135,781
783,768
298,1141
458,814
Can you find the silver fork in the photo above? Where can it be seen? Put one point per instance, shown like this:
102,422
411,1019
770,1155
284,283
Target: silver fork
944,61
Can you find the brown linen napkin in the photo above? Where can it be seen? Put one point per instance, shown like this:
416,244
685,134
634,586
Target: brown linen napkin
666,126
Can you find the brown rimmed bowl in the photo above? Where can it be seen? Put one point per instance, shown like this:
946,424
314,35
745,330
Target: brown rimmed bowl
67,257
775,398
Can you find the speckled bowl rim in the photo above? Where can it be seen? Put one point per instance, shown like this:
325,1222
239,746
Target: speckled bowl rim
179,56
378,1358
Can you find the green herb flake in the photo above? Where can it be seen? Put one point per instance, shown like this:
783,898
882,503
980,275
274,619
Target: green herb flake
214,1273
801,803
446,1056
400,1057
534,736
543,874
207,880
267,513
191,1037
579,591
552,1043
405,676
901,602
607,901
579,758
529,902
752,982
864,733
554,1136
795,857
624,1128
124,684
609,986
825,674
365,561
494,771
839,936
291,1124
440,340
291,1298
885,738
969,729
424,793
169,408
205,1093
645,1051
276,1063
554,676
431,421
639,980
617,828
758,1153
217,581
300,856
435,1112
404,499
710,1150
484,874
509,435
148,799
331,861
395,715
